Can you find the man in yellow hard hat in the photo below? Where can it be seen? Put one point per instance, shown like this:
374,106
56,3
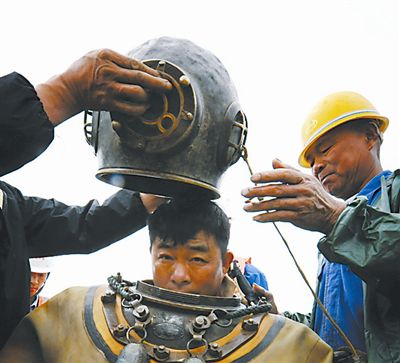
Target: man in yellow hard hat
355,203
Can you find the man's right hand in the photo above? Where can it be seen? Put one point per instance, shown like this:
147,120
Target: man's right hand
101,80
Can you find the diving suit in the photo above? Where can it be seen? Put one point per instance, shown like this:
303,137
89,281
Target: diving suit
95,324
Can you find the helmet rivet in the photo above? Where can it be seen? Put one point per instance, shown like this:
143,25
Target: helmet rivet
161,66
215,350
119,330
116,125
184,81
161,352
187,115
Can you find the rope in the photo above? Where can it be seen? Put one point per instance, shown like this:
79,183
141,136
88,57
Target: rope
119,287
254,309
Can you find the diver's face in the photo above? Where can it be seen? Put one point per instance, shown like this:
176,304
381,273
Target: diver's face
195,267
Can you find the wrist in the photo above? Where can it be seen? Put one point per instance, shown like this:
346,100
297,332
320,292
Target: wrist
336,211
57,100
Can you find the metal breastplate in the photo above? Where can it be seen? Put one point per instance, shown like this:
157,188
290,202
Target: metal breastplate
178,327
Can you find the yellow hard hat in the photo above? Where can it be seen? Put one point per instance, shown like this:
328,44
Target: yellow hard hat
335,110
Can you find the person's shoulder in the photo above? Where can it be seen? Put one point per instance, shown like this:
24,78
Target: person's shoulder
8,192
282,323
292,340
9,82
8,188
74,294
390,175
67,305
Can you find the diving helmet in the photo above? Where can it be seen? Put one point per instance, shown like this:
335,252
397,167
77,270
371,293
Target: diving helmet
188,137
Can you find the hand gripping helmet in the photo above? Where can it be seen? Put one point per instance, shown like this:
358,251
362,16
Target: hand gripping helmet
332,111
189,136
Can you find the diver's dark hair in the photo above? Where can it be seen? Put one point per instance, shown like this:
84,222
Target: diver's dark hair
179,221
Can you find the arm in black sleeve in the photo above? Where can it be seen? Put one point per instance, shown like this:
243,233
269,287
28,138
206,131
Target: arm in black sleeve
25,130
53,228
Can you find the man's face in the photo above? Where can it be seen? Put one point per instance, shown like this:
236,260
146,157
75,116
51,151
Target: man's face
195,267
37,282
342,161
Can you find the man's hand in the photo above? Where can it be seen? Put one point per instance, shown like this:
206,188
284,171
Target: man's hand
261,292
294,197
101,80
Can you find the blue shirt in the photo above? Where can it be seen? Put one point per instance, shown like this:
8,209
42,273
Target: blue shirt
341,292
254,275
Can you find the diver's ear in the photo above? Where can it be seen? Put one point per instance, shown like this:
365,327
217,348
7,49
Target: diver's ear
227,260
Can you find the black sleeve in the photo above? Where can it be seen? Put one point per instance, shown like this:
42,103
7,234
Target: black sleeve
25,130
53,228
23,346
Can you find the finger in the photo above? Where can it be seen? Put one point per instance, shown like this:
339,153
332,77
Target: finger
289,176
274,191
278,164
143,79
266,294
274,204
126,108
126,62
131,92
258,191
276,216
137,65
260,291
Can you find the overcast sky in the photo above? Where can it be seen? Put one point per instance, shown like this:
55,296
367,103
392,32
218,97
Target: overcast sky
283,56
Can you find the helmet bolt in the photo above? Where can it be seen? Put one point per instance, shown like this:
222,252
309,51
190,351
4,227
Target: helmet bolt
108,297
161,66
250,325
215,350
161,352
119,331
141,312
184,81
116,125
187,115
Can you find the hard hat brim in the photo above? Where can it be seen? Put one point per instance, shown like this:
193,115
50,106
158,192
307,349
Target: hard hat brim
370,114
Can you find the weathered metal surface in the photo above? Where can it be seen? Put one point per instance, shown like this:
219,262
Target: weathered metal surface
187,139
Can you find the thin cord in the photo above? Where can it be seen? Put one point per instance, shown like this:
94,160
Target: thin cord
355,355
